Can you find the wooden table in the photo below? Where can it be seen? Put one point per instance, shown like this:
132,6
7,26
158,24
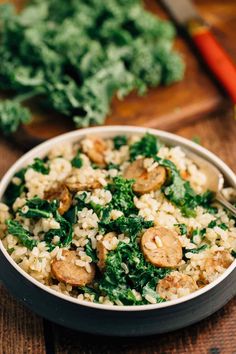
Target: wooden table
23,332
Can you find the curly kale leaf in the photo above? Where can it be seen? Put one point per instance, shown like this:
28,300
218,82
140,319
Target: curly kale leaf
12,115
122,195
147,146
40,166
81,54
38,208
77,161
14,190
119,141
16,229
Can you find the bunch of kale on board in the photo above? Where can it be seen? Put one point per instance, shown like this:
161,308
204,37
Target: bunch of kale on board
76,55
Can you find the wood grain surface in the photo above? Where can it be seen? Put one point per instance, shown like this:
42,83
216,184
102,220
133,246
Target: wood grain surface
164,107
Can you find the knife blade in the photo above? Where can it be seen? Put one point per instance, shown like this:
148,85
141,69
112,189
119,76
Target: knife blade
218,61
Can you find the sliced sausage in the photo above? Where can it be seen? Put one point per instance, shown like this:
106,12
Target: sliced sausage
145,181
68,272
210,267
161,247
96,153
102,251
62,194
78,187
176,284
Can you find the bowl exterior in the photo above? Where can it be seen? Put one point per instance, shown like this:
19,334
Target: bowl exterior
103,319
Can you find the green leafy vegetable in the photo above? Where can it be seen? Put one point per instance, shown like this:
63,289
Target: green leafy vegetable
147,146
213,223
117,281
38,208
233,253
12,115
16,229
182,228
196,250
119,140
122,195
14,190
77,161
76,57
64,233
91,252
40,166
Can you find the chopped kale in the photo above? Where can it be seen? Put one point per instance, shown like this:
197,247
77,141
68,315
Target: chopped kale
14,190
91,252
213,223
71,214
147,146
111,166
198,232
38,208
196,250
64,233
77,160
16,229
182,228
40,166
119,140
122,195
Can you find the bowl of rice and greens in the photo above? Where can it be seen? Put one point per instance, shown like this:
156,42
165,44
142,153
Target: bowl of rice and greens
113,222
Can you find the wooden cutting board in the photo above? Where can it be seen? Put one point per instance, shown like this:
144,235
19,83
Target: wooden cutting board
165,107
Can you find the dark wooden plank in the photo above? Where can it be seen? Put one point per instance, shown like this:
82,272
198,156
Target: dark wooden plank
21,331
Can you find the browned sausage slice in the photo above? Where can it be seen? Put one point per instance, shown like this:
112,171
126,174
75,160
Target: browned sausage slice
171,284
161,247
145,181
68,272
102,251
96,153
62,194
78,187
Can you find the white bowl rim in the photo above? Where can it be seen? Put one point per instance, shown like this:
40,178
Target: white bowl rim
45,146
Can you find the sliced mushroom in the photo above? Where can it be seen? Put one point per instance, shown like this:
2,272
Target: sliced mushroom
96,152
176,284
161,247
62,194
102,251
65,270
77,186
145,181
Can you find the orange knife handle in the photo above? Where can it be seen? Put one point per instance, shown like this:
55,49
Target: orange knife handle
216,58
